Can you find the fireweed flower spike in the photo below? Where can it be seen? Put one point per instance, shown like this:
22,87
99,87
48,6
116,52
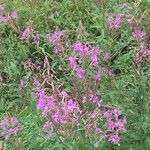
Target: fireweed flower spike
139,35
9,126
72,61
25,34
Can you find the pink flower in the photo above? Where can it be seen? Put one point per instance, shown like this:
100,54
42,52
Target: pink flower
26,34
55,117
51,102
47,125
146,52
95,61
98,130
71,105
9,126
95,99
77,46
114,22
42,100
4,19
111,124
108,114
95,51
80,72
72,60
114,139
139,35
117,112
13,15
56,37
121,125
81,48
58,40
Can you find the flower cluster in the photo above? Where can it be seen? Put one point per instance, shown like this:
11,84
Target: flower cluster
84,53
58,40
139,35
9,126
60,109
7,18
143,51
114,22
115,124
64,113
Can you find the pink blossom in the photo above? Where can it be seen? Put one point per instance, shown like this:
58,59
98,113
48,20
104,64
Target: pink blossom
114,139
55,117
72,61
95,99
98,130
42,100
80,72
146,52
111,124
117,112
13,14
4,19
71,105
47,125
139,35
81,48
98,77
51,102
95,51
107,114
77,46
58,40
95,61
25,34
121,125
9,126
114,22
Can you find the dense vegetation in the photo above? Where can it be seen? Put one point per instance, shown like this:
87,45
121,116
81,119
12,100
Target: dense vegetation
74,74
